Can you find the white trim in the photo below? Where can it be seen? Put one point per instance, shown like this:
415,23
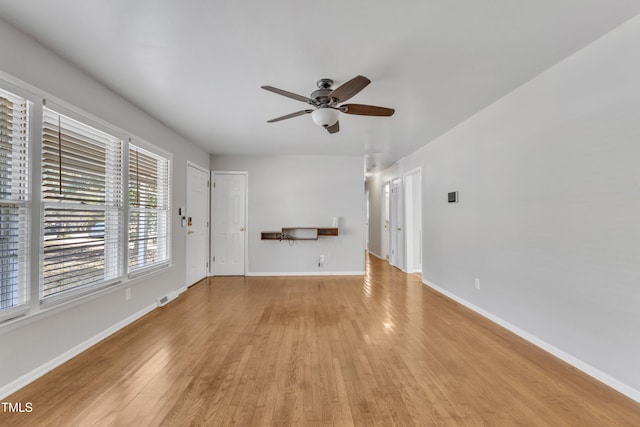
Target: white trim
200,168
24,89
377,256
14,312
413,171
77,293
126,210
231,172
149,269
607,379
306,273
25,379
87,119
35,179
148,146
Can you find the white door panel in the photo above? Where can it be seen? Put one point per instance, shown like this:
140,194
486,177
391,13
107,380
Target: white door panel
229,219
197,223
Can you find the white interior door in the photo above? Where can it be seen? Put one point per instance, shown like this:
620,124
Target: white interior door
397,241
229,223
384,232
197,223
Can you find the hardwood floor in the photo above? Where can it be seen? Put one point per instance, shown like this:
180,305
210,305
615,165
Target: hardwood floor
318,351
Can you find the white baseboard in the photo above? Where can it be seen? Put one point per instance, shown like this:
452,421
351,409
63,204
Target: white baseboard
307,273
618,385
399,268
17,384
377,256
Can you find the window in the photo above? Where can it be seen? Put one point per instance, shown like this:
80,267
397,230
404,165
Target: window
14,208
101,212
148,208
82,206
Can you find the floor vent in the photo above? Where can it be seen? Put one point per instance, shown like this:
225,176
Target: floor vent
162,301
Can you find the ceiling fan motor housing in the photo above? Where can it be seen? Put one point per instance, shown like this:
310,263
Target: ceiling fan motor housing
320,97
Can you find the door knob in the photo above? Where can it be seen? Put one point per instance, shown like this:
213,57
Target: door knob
190,232
399,229
241,228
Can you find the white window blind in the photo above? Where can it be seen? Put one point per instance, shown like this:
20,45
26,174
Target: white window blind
82,206
14,208
148,208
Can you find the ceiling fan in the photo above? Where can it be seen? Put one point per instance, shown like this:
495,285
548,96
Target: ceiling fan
326,100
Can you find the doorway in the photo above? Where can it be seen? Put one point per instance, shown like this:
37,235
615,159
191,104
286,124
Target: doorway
197,222
229,239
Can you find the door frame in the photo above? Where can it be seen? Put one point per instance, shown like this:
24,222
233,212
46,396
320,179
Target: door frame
213,223
208,216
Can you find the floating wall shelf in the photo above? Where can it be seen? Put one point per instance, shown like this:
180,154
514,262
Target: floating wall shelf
299,233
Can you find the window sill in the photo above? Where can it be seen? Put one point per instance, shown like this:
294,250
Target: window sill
50,308
149,270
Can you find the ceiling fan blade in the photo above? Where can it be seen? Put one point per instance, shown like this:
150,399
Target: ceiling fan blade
350,88
286,93
289,116
366,110
334,127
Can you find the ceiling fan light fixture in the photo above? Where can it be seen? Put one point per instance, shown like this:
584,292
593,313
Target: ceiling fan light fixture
325,116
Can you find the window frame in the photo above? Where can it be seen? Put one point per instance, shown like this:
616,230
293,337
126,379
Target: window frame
25,282
97,124
36,306
140,143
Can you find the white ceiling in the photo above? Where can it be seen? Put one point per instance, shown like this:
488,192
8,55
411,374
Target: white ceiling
198,65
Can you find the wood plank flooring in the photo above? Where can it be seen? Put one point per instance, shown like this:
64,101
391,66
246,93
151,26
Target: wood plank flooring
318,351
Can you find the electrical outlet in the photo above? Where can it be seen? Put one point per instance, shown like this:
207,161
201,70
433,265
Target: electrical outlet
477,283
127,294
321,260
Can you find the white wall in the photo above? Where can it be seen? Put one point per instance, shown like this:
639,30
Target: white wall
31,344
413,221
302,191
549,211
